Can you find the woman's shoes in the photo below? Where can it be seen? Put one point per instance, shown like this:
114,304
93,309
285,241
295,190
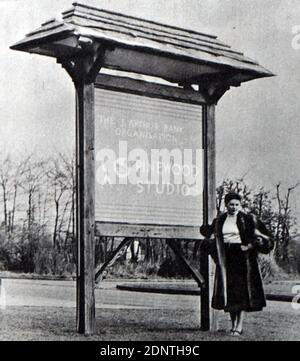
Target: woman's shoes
237,333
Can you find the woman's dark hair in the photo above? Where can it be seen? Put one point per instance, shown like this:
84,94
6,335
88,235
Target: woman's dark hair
232,195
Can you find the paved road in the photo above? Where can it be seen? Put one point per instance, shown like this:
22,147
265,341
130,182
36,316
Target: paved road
20,292
279,321
63,294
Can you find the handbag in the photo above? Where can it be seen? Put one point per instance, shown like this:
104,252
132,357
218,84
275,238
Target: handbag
262,241
262,245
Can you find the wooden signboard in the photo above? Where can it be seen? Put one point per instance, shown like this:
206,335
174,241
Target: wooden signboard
148,160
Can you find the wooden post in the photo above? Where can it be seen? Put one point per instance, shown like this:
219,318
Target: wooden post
83,69
209,206
85,214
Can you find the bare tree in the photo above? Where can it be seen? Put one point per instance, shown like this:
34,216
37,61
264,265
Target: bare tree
69,169
283,224
10,180
61,175
33,176
5,177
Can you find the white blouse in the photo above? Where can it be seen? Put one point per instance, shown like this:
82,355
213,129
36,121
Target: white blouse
231,232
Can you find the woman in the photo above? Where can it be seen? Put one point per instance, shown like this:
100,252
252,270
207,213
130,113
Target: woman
238,237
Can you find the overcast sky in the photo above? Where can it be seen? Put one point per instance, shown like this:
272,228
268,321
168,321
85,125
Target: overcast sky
258,126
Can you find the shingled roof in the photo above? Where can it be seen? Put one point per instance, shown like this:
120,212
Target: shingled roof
139,45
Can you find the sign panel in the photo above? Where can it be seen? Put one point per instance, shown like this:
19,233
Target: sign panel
149,160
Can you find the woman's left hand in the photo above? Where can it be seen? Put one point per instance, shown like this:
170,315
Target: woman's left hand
246,248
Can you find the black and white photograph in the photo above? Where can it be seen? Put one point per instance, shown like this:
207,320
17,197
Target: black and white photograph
150,173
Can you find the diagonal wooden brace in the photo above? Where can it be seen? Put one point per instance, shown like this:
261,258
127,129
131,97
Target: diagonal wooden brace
116,254
84,66
195,274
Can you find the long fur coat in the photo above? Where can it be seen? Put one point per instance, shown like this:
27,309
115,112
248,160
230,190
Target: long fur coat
246,224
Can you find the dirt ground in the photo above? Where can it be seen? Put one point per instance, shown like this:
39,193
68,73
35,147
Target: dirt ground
45,310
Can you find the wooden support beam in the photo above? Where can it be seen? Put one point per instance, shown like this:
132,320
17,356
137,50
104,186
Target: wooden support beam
114,229
146,88
85,207
83,67
209,205
115,255
196,275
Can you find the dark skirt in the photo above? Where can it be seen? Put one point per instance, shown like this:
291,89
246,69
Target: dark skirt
236,273
238,298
